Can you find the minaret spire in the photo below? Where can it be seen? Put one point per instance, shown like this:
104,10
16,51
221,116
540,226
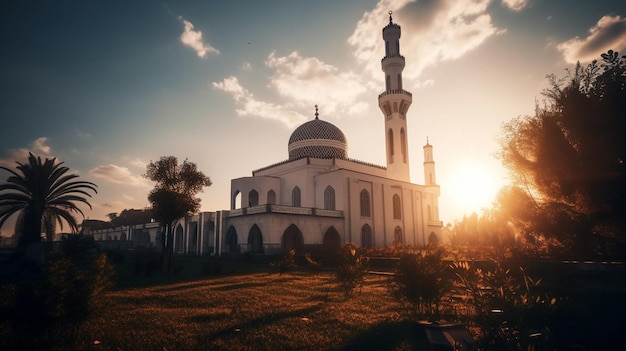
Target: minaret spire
317,115
394,103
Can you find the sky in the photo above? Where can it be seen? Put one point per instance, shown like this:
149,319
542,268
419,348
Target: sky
108,86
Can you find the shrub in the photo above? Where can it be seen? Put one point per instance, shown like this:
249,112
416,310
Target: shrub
506,308
286,263
145,261
420,282
211,267
351,269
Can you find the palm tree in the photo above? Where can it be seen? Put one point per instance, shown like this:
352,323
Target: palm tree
42,194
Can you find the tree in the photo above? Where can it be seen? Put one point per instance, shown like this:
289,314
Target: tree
174,195
569,160
130,217
42,194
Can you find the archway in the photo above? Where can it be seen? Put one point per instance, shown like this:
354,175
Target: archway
398,237
332,242
179,239
231,240
367,240
255,240
253,198
292,238
432,239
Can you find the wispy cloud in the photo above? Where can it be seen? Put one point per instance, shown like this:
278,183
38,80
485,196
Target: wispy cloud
37,147
81,134
516,5
433,31
193,39
308,81
608,34
248,105
117,174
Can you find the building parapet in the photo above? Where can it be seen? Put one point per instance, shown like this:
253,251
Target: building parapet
269,208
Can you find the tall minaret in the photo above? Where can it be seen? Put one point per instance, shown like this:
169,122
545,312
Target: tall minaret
429,165
394,103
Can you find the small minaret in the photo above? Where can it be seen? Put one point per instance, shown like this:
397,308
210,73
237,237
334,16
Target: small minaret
394,103
429,165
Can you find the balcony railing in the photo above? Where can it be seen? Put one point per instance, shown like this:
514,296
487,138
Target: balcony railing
395,91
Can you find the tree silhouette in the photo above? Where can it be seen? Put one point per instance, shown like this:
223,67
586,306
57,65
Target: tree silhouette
174,195
569,159
42,194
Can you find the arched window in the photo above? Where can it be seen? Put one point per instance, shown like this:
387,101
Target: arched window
271,197
399,81
366,236
231,240
296,197
253,198
329,198
403,144
430,213
390,145
388,83
398,237
397,207
365,204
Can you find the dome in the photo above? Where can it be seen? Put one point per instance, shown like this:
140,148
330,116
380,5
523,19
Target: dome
319,139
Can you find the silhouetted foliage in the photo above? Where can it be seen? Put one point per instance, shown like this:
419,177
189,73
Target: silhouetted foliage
42,194
505,306
130,217
569,160
421,281
75,278
286,262
352,267
174,195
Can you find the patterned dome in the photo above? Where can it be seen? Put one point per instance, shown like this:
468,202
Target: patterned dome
318,139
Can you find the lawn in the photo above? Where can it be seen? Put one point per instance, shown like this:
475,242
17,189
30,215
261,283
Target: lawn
246,309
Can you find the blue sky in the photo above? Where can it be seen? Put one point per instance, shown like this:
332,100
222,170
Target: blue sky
107,86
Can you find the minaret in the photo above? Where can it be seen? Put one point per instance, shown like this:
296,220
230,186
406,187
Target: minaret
394,103
429,165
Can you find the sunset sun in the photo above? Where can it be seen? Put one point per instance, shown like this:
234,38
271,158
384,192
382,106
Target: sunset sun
472,187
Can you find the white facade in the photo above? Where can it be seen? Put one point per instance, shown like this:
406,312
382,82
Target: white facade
321,198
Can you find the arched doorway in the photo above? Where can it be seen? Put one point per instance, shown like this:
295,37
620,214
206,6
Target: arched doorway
292,238
255,240
367,241
231,240
432,239
332,242
398,237
179,239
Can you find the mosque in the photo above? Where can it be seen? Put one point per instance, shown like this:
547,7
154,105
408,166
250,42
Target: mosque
319,197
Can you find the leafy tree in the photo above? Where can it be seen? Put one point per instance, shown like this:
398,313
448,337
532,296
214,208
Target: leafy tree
569,160
174,195
42,194
351,268
130,217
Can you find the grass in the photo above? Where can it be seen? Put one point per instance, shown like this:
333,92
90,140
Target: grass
255,311
245,309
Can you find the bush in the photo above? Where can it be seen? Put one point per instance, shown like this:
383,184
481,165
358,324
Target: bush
353,265
286,263
506,308
420,282
70,289
211,267
145,261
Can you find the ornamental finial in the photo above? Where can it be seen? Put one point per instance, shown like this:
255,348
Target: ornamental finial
390,16
316,113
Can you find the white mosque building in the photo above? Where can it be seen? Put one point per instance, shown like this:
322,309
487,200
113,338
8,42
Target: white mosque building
319,197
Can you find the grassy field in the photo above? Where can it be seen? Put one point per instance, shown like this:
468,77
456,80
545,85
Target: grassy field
249,307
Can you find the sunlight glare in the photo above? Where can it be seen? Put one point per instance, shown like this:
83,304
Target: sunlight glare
472,188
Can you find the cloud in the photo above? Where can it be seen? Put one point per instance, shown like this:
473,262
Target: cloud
117,174
246,66
516,5
248,105
608,34
308,81
37,147
79,133
433,31
193,39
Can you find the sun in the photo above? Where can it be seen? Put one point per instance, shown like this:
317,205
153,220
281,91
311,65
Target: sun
472,188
